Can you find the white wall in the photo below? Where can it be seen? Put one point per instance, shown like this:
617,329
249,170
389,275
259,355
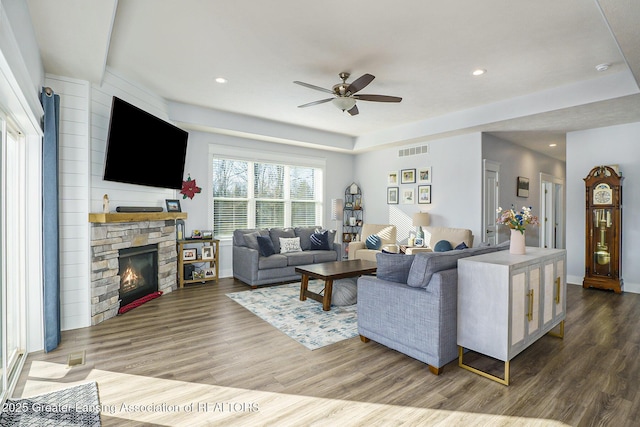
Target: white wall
456,187
604,146
518,161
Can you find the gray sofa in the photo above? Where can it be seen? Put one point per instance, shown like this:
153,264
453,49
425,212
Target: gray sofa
255,269
411,306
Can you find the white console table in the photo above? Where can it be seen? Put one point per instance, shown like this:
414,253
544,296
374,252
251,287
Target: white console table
506,302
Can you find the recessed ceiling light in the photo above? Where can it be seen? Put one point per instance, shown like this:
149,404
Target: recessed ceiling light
603,67
553,145
478,72
221,80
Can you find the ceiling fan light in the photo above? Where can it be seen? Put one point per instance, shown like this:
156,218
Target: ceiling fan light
344,103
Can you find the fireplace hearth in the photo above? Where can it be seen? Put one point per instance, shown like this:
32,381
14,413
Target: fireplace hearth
138,271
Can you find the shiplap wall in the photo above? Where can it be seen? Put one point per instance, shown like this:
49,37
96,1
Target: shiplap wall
73,163
84,121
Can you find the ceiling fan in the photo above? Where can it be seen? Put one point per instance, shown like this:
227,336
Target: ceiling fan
345,94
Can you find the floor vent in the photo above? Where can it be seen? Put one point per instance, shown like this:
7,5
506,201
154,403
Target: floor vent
413,151
76,358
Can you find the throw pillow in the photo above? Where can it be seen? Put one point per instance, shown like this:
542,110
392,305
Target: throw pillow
442,246
373,242
393,267
251,240
320,241
276,233
265,246
462,245
290,245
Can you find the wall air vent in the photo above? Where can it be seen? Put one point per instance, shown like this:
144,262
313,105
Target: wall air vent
413,151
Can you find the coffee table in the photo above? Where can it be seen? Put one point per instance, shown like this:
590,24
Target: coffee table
330,271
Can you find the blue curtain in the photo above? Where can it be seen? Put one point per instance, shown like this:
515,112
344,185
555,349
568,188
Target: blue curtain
51,254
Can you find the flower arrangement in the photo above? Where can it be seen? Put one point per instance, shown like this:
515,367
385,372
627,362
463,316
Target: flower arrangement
517,220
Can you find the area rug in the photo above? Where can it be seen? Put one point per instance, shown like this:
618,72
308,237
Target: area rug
304,321
73,406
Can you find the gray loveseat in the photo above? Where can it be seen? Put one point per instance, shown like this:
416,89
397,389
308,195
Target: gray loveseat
255,269
411,306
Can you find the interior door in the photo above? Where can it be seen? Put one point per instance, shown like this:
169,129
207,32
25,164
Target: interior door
551,212
490,201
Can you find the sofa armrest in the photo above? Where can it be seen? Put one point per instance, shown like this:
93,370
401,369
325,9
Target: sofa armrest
245,263
353,247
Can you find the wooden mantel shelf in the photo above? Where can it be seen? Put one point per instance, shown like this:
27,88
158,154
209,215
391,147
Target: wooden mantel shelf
104,218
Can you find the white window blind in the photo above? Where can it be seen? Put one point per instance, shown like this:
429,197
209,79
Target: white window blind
253,194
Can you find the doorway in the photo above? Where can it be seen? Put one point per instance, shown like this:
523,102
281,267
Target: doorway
491,193
551,212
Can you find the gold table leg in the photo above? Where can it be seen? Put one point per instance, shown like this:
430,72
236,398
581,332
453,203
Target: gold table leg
504,381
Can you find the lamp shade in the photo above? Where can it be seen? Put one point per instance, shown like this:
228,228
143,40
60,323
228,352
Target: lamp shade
421,218
336,209
344,103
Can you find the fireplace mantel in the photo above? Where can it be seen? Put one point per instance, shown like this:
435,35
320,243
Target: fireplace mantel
111,217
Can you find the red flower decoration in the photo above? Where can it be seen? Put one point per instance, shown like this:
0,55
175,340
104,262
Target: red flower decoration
189,188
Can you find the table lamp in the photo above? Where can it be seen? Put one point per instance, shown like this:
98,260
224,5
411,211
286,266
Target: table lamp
420,219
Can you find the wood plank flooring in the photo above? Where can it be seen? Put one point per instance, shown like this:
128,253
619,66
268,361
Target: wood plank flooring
194,357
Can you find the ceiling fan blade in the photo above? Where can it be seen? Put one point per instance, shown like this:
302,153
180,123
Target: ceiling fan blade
378,98
360,83
310,86
322,101
353,111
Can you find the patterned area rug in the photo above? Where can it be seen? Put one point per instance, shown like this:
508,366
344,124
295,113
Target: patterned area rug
73,406
304,321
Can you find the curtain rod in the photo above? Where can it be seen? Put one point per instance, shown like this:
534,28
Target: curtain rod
48,91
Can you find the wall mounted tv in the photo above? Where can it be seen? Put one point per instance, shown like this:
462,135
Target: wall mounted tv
143,149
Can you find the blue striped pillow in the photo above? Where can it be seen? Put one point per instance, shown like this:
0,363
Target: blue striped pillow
320,241
373,242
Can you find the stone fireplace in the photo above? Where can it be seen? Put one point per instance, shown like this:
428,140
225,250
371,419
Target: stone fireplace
113,234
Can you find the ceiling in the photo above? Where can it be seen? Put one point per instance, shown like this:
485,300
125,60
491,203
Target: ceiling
423,52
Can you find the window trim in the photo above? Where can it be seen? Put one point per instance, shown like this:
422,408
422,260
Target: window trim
237,153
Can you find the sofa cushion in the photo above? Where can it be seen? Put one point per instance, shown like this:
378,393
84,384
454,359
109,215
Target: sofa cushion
442,246
277,233
251,240
265,246
426,264
299,258
304,233
320,241
290,245
238,235
393,267
324,256
273,261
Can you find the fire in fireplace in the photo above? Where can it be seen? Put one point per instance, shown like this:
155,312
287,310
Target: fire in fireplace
138,270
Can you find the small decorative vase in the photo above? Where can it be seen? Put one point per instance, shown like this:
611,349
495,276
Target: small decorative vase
516,246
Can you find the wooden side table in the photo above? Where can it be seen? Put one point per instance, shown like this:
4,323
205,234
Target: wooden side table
209,254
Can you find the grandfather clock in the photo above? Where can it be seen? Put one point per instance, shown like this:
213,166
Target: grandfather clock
603,263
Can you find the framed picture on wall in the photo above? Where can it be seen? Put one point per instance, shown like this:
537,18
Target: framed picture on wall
392,195
523,187
424,194
424,175
408,176
408,196
392,178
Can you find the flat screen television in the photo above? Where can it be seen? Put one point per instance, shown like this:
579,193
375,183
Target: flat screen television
143,149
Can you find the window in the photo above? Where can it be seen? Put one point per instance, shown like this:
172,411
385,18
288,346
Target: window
252,194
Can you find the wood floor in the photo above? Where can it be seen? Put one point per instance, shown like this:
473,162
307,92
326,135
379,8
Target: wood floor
194,357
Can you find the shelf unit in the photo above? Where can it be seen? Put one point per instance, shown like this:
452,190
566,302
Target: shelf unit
351,228
200,244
